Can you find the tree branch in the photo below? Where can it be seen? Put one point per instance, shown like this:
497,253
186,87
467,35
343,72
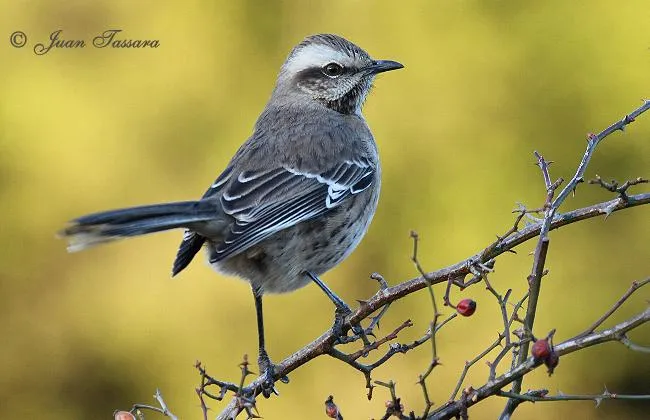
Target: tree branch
478,265
323,344
454,408
550,208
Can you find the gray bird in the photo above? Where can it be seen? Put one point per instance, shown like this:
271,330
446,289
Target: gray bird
297,197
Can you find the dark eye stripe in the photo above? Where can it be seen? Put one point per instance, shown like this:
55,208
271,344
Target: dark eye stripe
313,75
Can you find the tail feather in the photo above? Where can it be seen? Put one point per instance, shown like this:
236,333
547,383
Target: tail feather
192,243
98,228
141,212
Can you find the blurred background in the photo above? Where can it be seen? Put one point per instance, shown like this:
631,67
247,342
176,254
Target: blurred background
485,84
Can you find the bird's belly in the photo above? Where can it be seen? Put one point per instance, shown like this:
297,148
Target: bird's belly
278,264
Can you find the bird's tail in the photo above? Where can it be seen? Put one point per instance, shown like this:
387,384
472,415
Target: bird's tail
98,228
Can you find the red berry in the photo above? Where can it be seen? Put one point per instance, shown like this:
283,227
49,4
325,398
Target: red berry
552,361
331,409
541,349
466,307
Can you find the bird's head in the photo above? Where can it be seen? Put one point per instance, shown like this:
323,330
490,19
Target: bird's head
331,70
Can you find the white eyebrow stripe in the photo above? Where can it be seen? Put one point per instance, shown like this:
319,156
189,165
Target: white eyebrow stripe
315,55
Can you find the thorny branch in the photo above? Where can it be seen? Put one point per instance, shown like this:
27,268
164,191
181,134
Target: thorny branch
614,187
551,206
324,343
537,271
478,266
433,327
492,387
542,395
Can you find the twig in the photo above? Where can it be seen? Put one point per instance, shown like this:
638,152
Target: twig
632,346
455,408
244,396
534,396
633,288
470,363
427,336
614,187
535,277
506,333
375,345
374,321
433,326
551,187
592,142
163,409
521,212
366,369
394,407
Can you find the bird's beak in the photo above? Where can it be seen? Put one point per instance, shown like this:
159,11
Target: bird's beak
380,66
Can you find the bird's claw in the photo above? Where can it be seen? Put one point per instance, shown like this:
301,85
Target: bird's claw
268,375
340,316
339,320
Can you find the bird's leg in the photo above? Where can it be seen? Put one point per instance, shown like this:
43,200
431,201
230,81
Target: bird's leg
338,302
342,309
267,368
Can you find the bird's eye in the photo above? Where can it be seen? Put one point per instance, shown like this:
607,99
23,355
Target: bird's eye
332,69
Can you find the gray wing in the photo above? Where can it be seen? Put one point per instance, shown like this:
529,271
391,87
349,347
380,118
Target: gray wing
265,202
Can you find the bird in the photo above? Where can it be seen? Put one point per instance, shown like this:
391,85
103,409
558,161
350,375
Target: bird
296,198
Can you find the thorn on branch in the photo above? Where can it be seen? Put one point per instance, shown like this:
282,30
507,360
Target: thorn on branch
591,138
579,180
627,120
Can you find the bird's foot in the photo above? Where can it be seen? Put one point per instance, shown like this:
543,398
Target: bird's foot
267,368
340,317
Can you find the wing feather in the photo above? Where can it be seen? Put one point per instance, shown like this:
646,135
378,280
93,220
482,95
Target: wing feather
265,202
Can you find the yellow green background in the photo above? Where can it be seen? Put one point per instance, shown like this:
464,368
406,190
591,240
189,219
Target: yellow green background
486,83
